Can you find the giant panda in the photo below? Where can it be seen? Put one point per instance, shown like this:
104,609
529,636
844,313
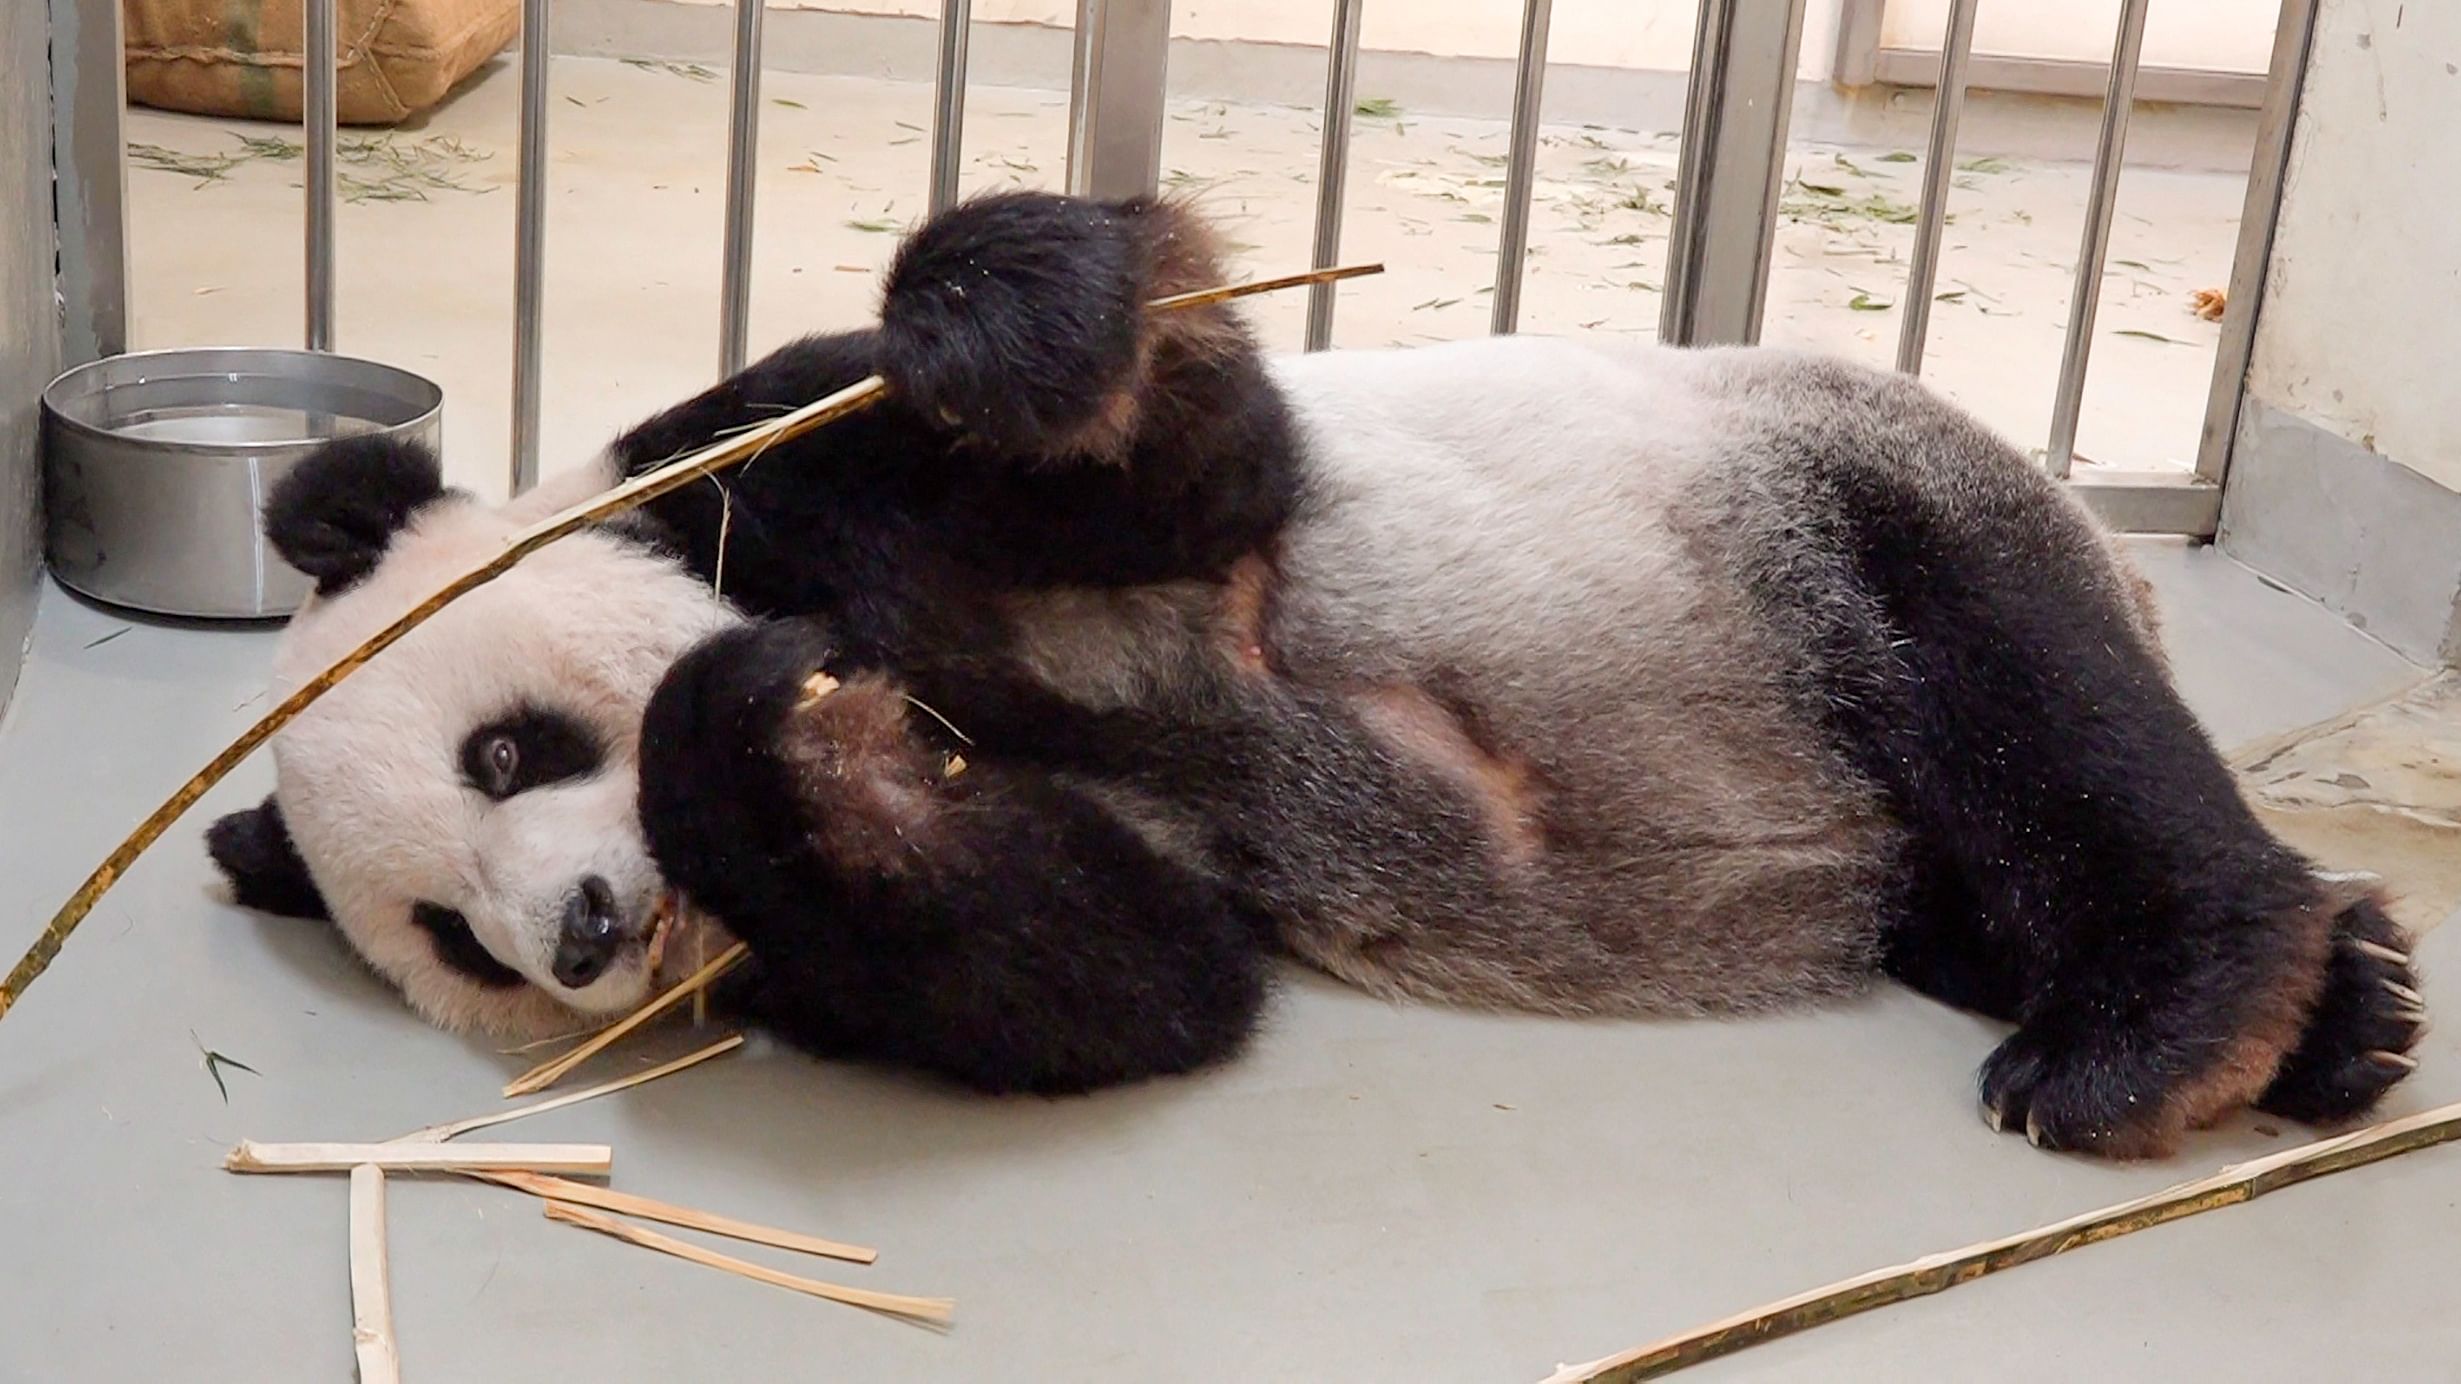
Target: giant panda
1019,724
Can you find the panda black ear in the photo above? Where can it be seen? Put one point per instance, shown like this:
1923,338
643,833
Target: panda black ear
256,854
333,514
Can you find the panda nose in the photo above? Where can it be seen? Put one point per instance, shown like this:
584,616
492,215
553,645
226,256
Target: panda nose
592,934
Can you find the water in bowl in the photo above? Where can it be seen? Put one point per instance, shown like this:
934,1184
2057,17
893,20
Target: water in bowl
229,423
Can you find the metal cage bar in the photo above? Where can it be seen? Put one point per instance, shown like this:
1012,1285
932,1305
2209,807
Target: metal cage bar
1521,167
948,103
529,244
2293,37
1731,165
321,129
743,135
2085,297
1333,163
1116,85
1939,168
89,95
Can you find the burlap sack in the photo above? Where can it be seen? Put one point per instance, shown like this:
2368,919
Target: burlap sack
242,57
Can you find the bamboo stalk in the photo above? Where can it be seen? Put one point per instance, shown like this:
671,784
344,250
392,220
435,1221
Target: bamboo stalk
371,1280
2240,1182
718,456
252,1157
551,1071
936,1311
440,1132
583,1194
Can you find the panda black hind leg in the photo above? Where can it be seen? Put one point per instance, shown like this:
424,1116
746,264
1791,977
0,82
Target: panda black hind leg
986,921
2165,959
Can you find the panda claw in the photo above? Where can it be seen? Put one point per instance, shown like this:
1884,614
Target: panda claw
2033,1130
2395,1059
2405,994
1991,1116
2380,951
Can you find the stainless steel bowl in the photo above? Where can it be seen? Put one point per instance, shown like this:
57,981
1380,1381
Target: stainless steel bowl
156,466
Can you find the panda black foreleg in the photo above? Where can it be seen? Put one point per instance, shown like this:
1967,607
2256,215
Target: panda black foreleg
986,921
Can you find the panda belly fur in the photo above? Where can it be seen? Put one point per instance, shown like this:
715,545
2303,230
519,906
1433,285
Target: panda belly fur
1109,656
1505,560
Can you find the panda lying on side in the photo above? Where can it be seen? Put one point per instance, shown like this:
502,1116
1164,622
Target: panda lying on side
1520,673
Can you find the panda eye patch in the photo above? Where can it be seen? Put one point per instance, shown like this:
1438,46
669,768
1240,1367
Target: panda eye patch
528,749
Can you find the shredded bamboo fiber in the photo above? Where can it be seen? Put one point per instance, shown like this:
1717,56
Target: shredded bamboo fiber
632,494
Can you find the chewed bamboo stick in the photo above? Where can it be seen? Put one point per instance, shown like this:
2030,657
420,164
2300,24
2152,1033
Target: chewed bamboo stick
588,1159
371,1280
936,1311
548,1073
2240,1182
583,1194
457,1128
718,456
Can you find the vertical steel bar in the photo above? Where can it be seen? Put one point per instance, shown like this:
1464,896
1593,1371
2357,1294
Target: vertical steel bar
1115,97
743,133
948,111
2293,36
88,98
1521,167
1703,89
1333,163
529,244
2085,297
1731,166
1939,168
321,61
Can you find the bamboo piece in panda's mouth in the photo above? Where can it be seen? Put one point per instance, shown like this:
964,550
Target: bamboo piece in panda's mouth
553,1070
640,490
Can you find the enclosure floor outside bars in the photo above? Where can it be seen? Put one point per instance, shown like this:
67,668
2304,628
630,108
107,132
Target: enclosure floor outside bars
1734,138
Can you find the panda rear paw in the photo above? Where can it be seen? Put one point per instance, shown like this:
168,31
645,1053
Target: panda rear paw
2078,1088
2357,1043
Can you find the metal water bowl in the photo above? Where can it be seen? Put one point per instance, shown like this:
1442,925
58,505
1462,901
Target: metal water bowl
157,464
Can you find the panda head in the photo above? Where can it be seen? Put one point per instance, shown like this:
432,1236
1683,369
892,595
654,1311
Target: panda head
462,807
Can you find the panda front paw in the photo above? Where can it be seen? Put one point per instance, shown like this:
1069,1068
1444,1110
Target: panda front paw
714,796
1014,320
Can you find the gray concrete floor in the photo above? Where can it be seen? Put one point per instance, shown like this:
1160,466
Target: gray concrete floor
1378,1193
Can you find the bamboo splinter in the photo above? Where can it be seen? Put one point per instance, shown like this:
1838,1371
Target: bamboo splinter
583,1194
2240,1182
937,1311
639,491
441,1132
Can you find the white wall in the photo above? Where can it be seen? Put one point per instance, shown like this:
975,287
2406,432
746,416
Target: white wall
2345,482
2361,329
2210,35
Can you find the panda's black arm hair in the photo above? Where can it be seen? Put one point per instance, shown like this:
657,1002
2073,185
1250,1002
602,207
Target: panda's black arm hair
1044,429
999,925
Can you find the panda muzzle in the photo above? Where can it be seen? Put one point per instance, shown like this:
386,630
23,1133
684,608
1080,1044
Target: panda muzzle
592,936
